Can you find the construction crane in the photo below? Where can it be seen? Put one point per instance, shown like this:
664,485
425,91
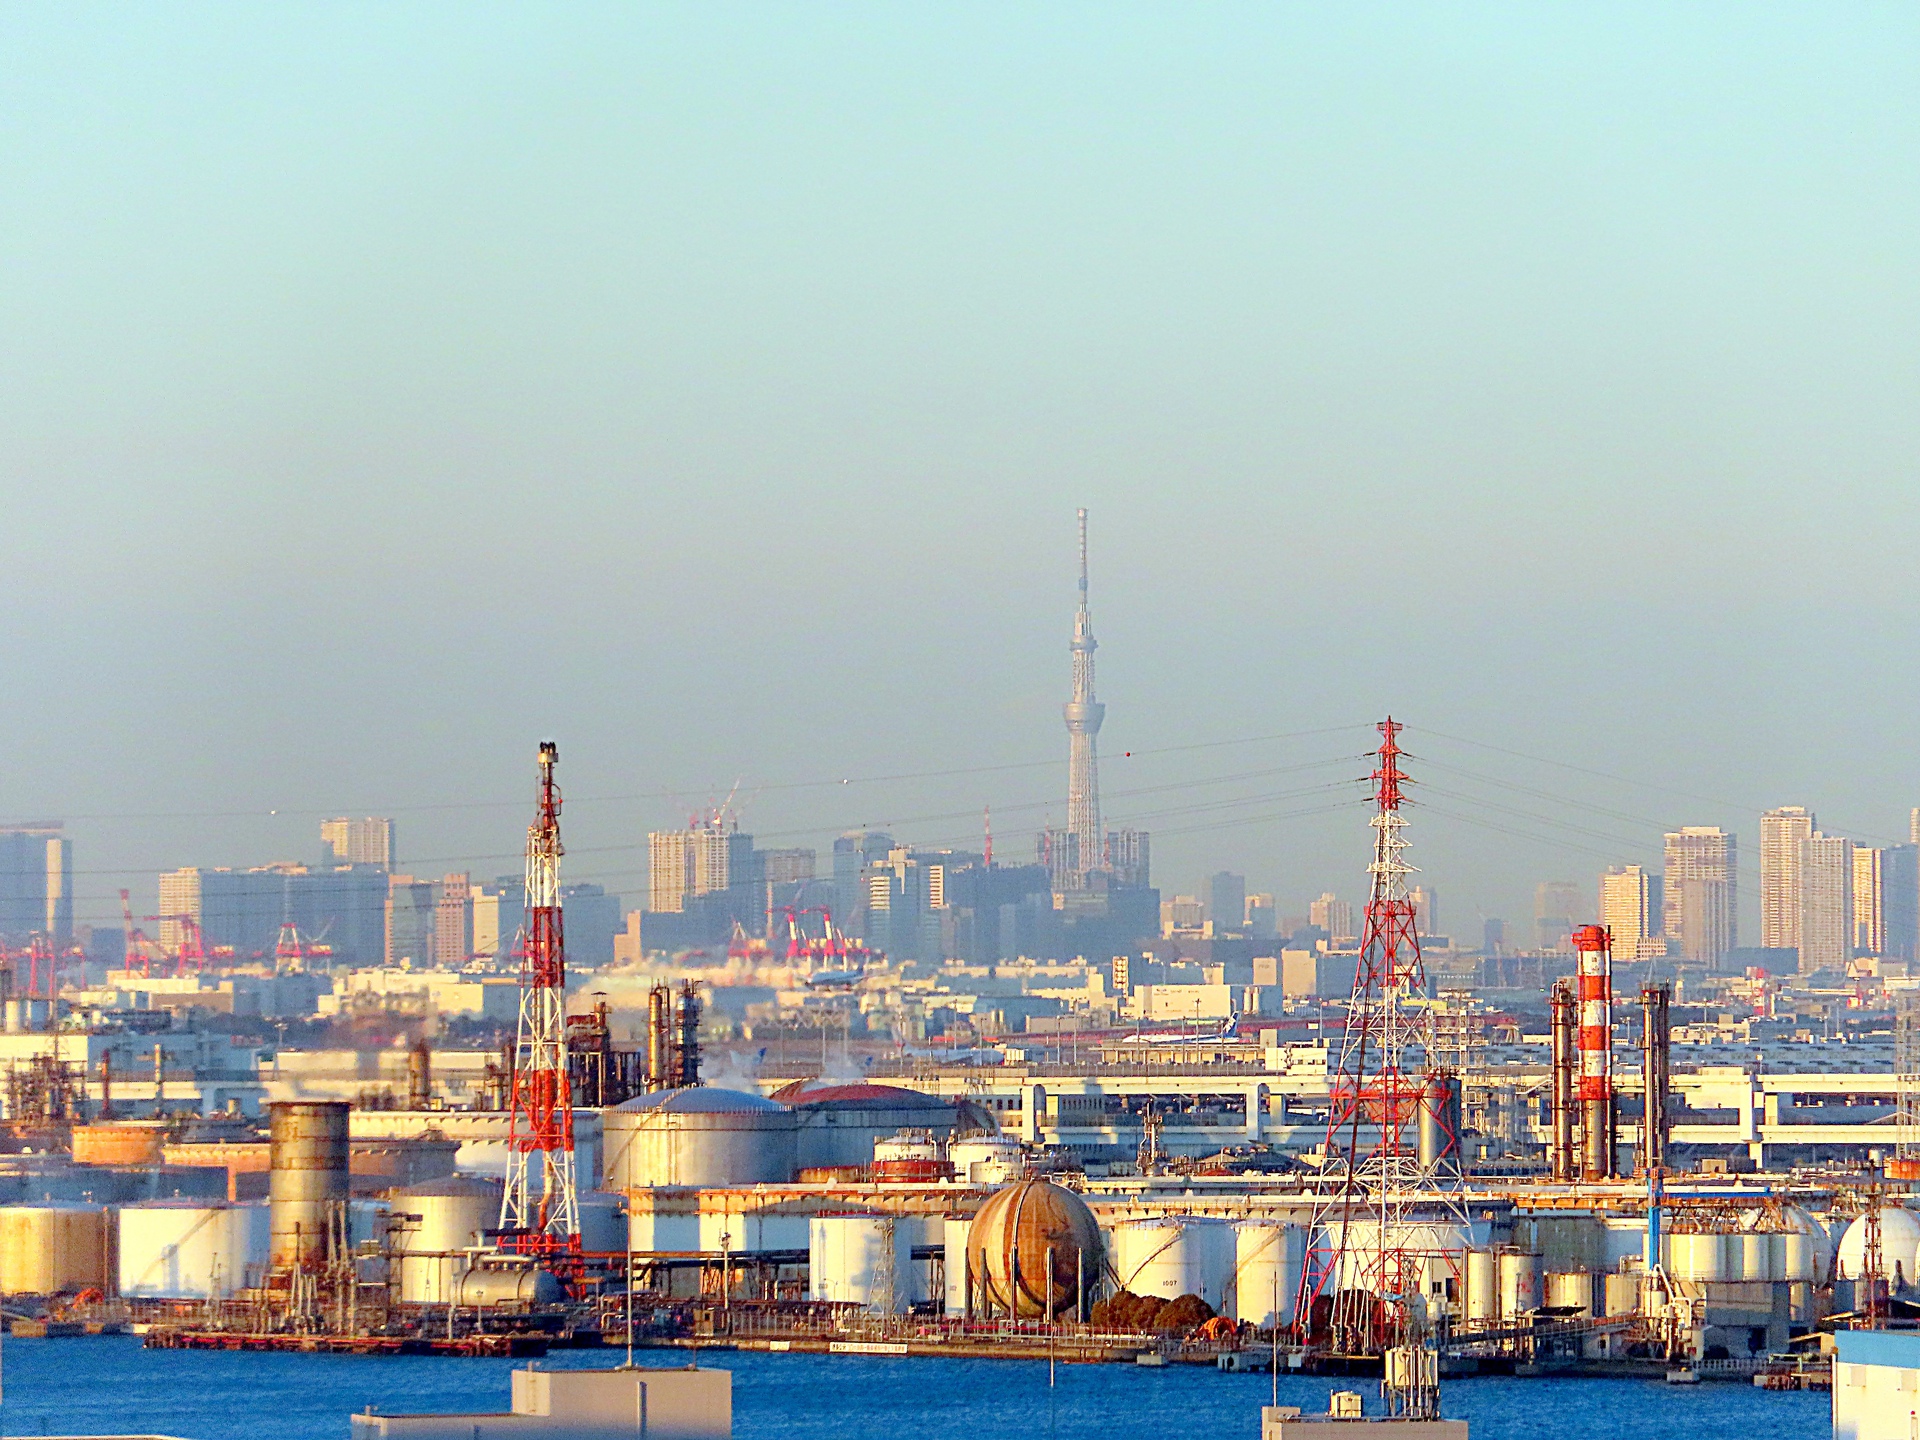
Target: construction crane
138,942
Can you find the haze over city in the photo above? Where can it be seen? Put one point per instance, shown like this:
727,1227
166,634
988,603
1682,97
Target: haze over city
381,391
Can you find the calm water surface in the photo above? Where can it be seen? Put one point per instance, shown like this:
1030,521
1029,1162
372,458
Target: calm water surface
111,1384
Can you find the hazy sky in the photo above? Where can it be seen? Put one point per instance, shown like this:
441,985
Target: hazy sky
709,387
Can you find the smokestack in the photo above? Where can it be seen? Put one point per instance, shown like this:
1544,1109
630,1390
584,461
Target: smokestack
1656,1071
1560,1147
420,1075
307,1180
1594,946
659,1038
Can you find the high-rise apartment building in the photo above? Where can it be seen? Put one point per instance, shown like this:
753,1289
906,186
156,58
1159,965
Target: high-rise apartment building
179,901
708,857
1626,909
36,883
1781,832
365,841
453,921
1826,903
1333,915
1869,900
1702,886
241,911
412,907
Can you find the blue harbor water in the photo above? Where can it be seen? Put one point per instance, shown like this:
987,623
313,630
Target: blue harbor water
112,1384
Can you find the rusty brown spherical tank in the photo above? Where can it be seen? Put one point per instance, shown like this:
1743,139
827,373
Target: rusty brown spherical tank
1033,1251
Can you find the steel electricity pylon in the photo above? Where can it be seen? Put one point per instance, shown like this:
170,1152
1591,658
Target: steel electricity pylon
1388,1226
540,1209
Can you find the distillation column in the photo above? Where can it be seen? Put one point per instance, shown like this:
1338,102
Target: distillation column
1593,944
1560,1155
1656,1068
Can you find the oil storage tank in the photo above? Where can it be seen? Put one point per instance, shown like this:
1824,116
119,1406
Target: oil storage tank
837,1126
54,1249
308,1177
1899,1242
1033,1250
698,1136
1268,1256
185,1250
430,1227
1174,1255
865,1260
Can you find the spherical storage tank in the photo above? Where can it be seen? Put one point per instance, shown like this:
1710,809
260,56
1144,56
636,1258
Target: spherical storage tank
1013,1238
697,1136
864,1260
452,1215
1899,1244
184,1250
1174,1255
1268,1256
53,1249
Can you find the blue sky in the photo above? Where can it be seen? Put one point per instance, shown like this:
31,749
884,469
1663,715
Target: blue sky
384,388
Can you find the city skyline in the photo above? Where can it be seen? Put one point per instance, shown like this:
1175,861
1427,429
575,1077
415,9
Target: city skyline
1353,415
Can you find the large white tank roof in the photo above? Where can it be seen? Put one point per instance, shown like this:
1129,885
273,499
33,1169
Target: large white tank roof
699,1100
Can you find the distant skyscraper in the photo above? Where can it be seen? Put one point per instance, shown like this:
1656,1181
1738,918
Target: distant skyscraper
709,856
36,883
1702,884
367,841
1556,909
1493,936
1900,902
1781,832
1626,909
1227,901
1129,855
1826,903
411,920
453,921
1869,900
1083,715
669,871
1331,914
1426,909
1260,916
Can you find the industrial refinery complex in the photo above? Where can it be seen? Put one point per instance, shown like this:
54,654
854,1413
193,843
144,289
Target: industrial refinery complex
1353,1148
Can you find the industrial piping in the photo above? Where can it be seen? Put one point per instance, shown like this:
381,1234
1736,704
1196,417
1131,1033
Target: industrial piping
1593,944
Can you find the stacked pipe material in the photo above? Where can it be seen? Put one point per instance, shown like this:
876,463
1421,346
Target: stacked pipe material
659,1041
1561,1156
1656,1071
308,1178
1593,944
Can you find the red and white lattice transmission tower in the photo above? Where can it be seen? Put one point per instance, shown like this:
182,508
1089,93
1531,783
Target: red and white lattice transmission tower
1384,1242
540,1210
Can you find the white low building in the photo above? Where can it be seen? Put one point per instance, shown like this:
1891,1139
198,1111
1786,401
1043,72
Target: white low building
1876,1385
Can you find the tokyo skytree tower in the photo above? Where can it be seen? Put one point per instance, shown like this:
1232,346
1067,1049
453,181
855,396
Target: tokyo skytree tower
1083,714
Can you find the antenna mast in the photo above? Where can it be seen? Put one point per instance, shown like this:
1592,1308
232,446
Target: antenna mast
542,1218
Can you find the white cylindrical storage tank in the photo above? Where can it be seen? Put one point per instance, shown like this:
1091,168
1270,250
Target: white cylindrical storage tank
1756,1257
697,1137
1806,1252
53,1249
187,1250
1621,1294
1482,1273
1175,1255
953,1234
987,1159
1698,1256
1623,1238
1519,1283
603,1223
1438,1245
432,1226
864,1260
1571,1289
1268,1257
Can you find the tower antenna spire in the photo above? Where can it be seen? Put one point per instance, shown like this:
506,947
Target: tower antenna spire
1084,845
